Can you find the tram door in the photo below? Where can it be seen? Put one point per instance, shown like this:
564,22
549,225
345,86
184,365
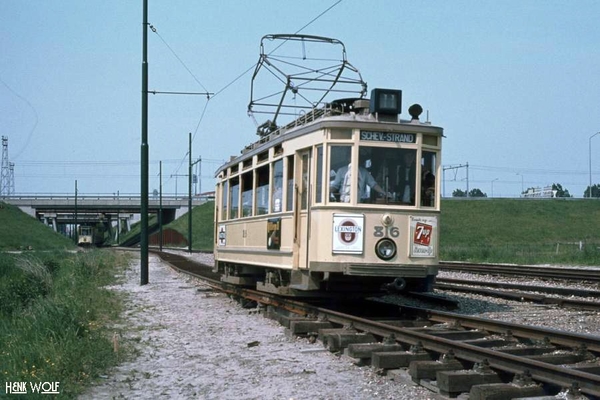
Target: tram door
302,208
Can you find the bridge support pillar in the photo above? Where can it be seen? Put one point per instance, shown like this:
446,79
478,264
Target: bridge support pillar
125,224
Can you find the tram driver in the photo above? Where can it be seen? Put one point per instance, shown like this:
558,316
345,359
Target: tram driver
341,184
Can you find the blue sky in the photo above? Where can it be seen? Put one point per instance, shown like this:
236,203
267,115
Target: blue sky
514,84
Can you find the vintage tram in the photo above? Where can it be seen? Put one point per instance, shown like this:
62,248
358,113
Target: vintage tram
344,198
90,235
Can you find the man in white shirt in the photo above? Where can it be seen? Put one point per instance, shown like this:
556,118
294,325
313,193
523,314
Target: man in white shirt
343,180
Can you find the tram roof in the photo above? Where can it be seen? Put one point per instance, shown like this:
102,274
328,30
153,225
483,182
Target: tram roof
327,117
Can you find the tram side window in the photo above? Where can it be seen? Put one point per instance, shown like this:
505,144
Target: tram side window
305,181
277,186
224,198
339,159
394,170
247,190
319,187
235,198
428,167
262,190
290,184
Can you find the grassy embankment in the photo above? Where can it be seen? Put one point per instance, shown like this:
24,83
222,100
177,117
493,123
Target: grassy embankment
521,231
490,230
19,231
54,309
202,224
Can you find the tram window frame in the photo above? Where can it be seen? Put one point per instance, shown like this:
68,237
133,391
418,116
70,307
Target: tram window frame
289,203
277,186
384,164
340,156
430,140
262,157
319,173
234,196
429,167
387,166
262,190
278,150
224,199
341,134
305,159
247,194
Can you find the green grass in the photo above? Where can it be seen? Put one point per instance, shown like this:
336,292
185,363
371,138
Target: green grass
54,317
19,230
521,231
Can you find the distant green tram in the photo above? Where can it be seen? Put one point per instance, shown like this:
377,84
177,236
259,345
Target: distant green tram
89,235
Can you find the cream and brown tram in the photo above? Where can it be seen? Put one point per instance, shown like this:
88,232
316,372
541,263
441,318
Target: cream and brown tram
345,198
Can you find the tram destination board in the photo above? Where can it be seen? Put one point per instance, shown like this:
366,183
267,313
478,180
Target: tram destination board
394,137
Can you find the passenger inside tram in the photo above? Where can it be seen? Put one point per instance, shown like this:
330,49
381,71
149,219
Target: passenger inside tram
386,175
428,165
395,169
340,186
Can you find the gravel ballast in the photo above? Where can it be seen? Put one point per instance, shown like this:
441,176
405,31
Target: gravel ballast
197,343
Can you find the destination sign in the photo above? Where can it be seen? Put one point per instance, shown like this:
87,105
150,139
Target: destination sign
394,137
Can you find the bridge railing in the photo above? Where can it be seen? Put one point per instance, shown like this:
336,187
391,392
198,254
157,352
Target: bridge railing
121,197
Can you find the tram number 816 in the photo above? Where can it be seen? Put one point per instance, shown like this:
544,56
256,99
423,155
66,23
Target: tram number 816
391,231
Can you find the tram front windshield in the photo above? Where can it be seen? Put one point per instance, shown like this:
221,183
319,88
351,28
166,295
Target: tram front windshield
385,175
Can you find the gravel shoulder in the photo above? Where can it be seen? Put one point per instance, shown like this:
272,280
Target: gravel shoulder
196,343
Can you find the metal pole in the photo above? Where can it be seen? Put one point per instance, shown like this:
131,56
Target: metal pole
76,232
200,173
590,187
118,217
160,210
144,151
443,182
467,179
493,186
190,196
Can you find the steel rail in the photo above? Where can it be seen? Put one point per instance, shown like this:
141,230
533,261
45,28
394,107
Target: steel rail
522,296
544,372
548,373
526,270
565,291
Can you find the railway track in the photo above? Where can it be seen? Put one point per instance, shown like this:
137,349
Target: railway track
448,353
576,274
524,292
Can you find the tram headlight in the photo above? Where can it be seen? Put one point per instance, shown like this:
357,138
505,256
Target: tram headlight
385,249
387,220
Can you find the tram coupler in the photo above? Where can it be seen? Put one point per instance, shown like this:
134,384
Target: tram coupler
398,285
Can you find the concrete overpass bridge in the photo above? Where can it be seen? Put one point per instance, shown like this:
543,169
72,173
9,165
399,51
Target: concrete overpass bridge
62,210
